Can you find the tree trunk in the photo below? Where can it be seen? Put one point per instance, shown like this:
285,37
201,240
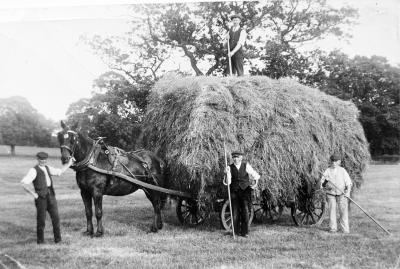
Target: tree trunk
12,152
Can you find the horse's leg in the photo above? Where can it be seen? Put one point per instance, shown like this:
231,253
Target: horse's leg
87,201
98,208
155,200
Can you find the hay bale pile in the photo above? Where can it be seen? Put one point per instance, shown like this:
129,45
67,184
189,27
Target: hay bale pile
287,131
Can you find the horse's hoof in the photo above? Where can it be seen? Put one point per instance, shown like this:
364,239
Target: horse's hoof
153,229
160,226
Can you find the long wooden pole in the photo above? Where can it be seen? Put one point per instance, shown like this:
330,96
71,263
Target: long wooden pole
229,58
229,195
374,220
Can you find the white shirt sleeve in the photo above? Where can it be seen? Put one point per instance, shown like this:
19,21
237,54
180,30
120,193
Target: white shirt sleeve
228,178
252,172
346,178
242,38
54,171
30,176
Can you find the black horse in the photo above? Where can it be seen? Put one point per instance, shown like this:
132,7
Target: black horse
92,154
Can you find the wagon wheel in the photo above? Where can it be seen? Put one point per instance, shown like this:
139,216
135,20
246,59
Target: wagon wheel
309,211
225,214
189,212
266,213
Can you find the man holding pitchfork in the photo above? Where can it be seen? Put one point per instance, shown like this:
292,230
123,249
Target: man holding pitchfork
236,40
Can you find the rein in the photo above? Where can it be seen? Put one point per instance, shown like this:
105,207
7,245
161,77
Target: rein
89,160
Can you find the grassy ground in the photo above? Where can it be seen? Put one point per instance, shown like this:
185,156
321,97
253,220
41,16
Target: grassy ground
127,243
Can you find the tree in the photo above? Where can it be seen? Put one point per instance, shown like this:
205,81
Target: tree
197,29
115,114
373,85
22,125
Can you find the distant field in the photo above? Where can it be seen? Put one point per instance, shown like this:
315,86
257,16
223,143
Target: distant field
127,243
29,151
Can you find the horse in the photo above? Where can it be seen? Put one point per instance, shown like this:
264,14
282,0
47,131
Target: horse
92,154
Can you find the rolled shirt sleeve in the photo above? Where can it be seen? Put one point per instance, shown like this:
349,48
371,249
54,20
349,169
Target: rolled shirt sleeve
252,172
55,171
29,177
242,38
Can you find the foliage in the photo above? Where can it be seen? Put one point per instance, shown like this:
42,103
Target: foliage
198,29
22,125
115,114
374,86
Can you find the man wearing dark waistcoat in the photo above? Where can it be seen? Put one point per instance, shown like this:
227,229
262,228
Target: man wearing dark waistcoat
237,38
39,183
242,179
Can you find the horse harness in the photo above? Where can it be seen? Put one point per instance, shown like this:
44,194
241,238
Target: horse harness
115,156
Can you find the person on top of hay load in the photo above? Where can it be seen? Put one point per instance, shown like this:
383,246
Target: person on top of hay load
237,38
337,184
238,176
40,177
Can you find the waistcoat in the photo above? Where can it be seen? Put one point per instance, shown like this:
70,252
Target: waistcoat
40,183
234,39
240,178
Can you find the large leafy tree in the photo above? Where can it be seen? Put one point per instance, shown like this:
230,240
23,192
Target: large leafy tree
196,32
22,125
374,86
198,29
115,114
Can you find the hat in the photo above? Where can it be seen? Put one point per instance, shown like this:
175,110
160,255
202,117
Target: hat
237,153
42,155
335,157
236,16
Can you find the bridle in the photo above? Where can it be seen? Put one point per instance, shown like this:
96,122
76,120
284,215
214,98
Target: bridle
71,151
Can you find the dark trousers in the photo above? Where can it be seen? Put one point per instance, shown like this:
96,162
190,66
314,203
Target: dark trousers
43,204
241,202
237,64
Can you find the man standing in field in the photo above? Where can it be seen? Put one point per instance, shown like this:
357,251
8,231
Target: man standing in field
337,184
238,176
237,38
39,183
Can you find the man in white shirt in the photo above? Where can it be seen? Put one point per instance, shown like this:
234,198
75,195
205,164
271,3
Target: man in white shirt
337,184
237,39
39,183
242,178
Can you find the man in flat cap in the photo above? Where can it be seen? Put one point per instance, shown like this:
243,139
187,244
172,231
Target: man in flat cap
39,183
337,185
237,38
242,178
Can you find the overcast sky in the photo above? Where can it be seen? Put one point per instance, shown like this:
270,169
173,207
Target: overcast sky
41,57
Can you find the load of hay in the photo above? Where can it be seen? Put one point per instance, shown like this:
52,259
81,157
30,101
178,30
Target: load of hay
286,130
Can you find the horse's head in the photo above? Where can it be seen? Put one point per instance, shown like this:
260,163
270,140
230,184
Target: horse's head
68,140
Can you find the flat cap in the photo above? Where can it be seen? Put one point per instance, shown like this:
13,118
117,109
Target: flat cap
42,155
335,157
236,16
237,153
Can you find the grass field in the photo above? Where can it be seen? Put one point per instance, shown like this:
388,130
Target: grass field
127,243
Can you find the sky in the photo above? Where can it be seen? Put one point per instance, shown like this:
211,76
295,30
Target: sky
42,59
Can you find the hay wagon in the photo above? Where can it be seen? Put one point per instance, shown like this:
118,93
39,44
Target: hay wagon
287,131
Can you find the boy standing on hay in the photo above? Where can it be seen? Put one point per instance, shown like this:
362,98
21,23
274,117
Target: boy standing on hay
337,184
236,40
238,176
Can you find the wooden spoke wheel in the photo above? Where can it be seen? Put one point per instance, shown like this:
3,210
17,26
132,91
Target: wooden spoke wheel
309,211
225,215
190,213
267,213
